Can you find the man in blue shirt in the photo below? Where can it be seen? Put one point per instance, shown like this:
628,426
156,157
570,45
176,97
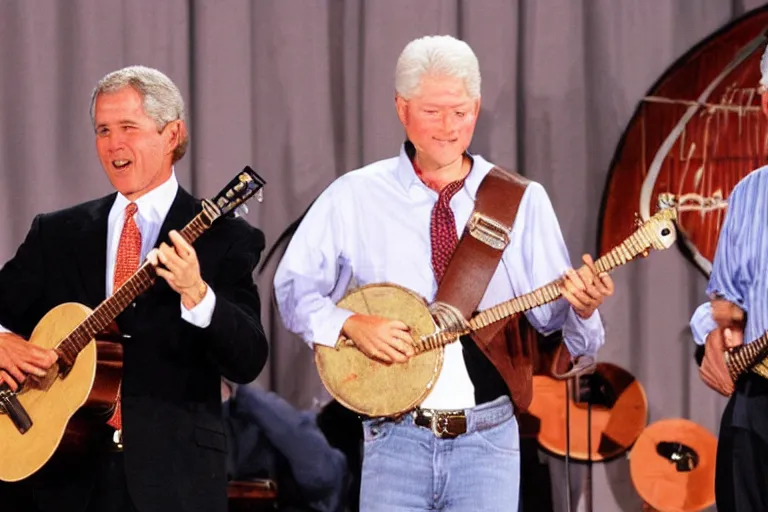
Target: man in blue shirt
270,439
738,313
375,225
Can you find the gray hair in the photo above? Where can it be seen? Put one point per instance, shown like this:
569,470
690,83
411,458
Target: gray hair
161,99
436,55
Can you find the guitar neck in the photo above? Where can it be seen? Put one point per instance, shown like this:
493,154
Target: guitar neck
638,243
137,284
742,358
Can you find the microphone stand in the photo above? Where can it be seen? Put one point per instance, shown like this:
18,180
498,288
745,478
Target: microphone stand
584,365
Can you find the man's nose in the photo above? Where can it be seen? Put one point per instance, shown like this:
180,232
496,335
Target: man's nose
115,141
448,122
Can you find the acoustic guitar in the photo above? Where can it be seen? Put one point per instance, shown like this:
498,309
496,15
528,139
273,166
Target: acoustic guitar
618,412
672,466
33,420
374,388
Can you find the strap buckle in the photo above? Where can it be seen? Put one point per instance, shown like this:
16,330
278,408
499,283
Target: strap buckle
117,441
489,231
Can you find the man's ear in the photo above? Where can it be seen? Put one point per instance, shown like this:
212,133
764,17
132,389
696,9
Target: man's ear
401,105
175,131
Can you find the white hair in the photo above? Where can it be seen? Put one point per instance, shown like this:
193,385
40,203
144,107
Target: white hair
161,99
764,68
436,55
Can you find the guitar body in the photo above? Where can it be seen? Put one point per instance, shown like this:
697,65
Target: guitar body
370,387
50,401
614,427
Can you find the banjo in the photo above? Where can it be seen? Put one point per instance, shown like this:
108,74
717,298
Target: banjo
373,388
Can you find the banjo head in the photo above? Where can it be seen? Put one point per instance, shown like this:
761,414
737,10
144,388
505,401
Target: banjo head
370,387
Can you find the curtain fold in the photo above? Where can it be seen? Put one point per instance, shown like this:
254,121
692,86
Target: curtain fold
303,92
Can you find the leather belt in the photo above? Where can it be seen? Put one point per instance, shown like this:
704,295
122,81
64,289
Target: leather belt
444,424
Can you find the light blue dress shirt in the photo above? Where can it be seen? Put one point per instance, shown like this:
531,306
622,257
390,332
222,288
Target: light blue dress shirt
740,269
372,225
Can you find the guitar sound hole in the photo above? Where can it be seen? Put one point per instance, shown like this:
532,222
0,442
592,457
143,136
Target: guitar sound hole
684,457
594,389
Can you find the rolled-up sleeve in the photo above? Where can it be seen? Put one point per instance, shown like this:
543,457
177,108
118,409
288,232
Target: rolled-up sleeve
310,271
728,279
540,257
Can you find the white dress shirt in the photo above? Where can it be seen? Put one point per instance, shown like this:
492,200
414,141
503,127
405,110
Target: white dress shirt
372,225
153,207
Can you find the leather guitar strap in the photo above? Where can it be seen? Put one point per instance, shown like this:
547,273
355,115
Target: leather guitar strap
483,241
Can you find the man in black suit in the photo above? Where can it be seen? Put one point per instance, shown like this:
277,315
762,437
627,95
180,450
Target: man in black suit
199,322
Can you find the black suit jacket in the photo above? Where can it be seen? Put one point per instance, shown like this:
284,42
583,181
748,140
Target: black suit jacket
175,446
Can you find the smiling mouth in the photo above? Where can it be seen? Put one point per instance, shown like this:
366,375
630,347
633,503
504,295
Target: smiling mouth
121,165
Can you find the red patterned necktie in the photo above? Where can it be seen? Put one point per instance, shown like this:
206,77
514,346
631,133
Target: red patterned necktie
126,264
442,227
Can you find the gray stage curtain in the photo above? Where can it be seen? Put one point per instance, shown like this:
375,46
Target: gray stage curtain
302,90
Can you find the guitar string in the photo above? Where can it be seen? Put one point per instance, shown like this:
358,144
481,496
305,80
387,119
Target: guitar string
643,239
104,313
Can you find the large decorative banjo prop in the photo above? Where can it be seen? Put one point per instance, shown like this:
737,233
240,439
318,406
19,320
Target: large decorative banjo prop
697,132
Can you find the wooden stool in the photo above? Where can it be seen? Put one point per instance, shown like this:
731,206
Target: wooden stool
252,495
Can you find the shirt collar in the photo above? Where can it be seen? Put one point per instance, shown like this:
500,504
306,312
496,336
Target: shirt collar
155,204
406,175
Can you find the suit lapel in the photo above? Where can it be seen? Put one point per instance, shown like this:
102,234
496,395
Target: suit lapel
182,211
91,252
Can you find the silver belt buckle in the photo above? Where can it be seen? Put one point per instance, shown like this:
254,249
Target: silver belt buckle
439,425
489,231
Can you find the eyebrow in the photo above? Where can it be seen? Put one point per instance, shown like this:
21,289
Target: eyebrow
120,122
466,104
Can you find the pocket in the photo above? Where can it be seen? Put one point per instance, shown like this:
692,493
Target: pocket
211,439
375,435
503,437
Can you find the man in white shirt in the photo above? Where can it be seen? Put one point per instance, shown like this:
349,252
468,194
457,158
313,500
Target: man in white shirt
373,225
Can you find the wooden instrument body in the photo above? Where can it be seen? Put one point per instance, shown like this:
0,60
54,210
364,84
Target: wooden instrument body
252,495
693,118
748,357
371,387
613,430
656,479
52,401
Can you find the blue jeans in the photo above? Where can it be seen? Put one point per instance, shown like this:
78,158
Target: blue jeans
407,468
